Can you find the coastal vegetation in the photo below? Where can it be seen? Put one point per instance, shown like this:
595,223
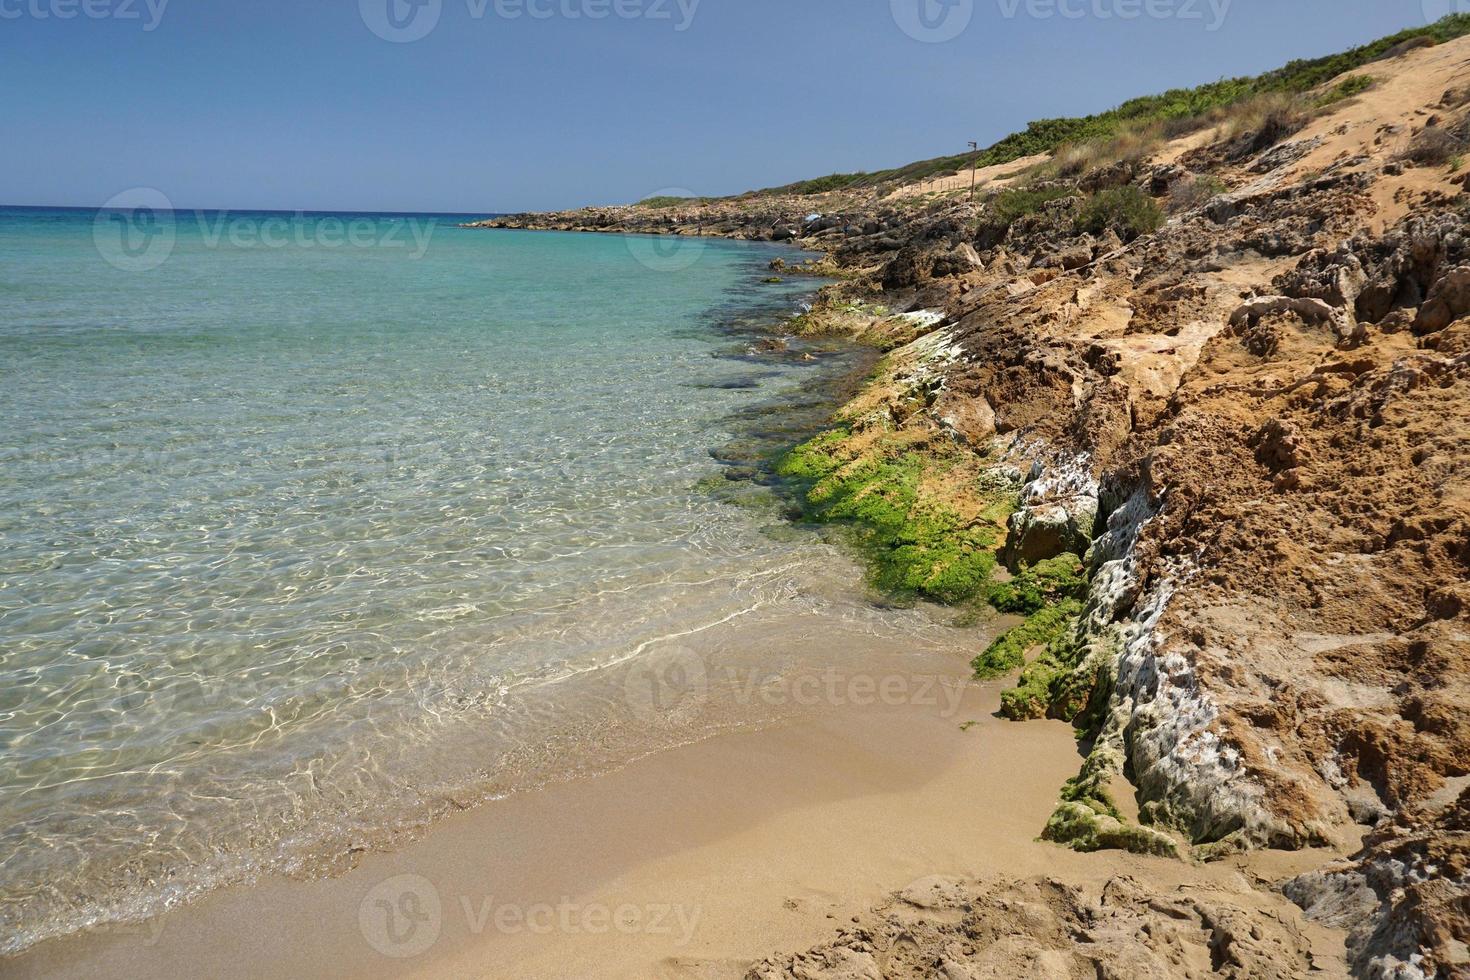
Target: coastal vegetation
1010,206
1127,211
670,201
1346,89
1178,111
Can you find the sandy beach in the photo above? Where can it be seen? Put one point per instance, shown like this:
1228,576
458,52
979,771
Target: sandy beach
694,862
727,849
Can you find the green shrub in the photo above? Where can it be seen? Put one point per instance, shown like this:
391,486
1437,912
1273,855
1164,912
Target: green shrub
1190,192
1012,205
818,185
1346,89
667,201
1126,210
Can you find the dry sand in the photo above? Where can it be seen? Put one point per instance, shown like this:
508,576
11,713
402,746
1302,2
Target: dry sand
984,178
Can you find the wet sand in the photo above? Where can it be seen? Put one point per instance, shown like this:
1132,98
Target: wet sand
716,853
693,862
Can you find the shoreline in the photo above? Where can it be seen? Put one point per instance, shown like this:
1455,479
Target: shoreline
773,425
811,821
590,838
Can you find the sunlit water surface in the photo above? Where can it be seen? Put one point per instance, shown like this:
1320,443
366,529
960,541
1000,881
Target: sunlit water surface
305,540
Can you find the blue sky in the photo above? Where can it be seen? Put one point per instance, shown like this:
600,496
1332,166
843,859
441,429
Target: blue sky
300,104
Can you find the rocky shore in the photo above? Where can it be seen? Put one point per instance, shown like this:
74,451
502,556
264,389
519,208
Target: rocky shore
1196,402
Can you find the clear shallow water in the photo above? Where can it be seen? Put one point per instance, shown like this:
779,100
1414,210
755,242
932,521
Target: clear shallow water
303,543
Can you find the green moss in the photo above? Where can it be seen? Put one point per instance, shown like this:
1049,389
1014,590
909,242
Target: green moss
1043,583
1088,826
708,485
917,544
1068,681
1008,652
834,318
1032,695
815,459
1087,819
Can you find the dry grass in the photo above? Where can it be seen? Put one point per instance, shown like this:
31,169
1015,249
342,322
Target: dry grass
1267,111
1434,146
1133,145
1261,123
1190,192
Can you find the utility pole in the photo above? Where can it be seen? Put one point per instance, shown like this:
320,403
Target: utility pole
974,165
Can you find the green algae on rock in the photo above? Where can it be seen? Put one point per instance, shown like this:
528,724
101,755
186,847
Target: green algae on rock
1008,652
1039,585
925,523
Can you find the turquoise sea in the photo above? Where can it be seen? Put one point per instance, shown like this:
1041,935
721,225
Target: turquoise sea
313,527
